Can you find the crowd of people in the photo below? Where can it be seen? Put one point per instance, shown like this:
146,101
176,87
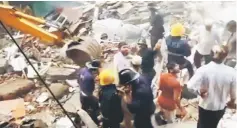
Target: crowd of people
126,96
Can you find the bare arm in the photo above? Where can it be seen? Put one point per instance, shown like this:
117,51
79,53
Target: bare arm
177,95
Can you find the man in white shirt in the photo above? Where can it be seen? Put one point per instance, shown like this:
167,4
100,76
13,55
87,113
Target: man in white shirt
206,40
120,59
214,83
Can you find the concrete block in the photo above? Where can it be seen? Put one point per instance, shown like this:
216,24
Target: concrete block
60,73
15,88
58,89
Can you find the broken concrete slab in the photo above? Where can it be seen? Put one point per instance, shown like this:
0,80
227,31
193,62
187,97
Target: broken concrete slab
60,73
6,107
46,116
73,104
58,89
3,64
14,88
126,7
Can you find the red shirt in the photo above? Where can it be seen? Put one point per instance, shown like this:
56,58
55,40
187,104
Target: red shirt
168,84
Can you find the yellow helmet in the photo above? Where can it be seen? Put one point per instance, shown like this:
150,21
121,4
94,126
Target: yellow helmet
177,29
106,77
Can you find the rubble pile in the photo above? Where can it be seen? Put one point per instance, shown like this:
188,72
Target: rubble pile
25,101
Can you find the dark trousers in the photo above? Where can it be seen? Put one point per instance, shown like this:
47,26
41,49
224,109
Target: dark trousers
142,121
183,63
209,119
198,57
109,124
91,106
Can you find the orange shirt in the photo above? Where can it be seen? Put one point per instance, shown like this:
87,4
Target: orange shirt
168,84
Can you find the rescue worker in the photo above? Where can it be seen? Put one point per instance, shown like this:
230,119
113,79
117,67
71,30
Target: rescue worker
231,43
206,40
110,101
170,88
156,22
86,80
178,48
138,97
215,83
148,56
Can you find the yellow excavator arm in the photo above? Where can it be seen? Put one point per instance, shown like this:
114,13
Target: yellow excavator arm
27,24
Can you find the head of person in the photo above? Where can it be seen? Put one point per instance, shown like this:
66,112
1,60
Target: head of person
231,26
127,77
142,44
106,77
123,48
136,62
219,53
177,30
173,67
208,25
151,7
94,66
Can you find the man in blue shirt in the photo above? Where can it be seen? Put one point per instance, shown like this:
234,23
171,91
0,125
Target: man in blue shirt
86,80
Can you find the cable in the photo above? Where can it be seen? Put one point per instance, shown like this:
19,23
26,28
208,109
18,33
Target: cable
40,78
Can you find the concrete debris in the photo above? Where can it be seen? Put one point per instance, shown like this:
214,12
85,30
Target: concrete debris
43,97
12,88
46,116
58,89
100,26
64,123
3,65
73,104
13,108
60,73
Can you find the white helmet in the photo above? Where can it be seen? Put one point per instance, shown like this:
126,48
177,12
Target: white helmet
137,60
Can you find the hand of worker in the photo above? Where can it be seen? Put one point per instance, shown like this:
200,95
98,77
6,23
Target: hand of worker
203,93
183,111
128,95
231,105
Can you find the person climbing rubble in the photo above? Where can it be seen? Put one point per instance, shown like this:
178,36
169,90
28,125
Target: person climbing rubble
156,22
120,59
214,83
138,97
206,40
110,101
86,80
179,48
170,93
231,43
148,56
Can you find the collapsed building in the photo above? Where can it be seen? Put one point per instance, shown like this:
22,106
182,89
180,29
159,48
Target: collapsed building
97,27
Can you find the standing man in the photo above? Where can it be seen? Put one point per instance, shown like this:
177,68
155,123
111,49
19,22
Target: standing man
171,90
120,59
214,83
147,65
138,97
179,48
206,40
156,22
86,80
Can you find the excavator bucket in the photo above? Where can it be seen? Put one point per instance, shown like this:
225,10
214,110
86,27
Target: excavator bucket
83,50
